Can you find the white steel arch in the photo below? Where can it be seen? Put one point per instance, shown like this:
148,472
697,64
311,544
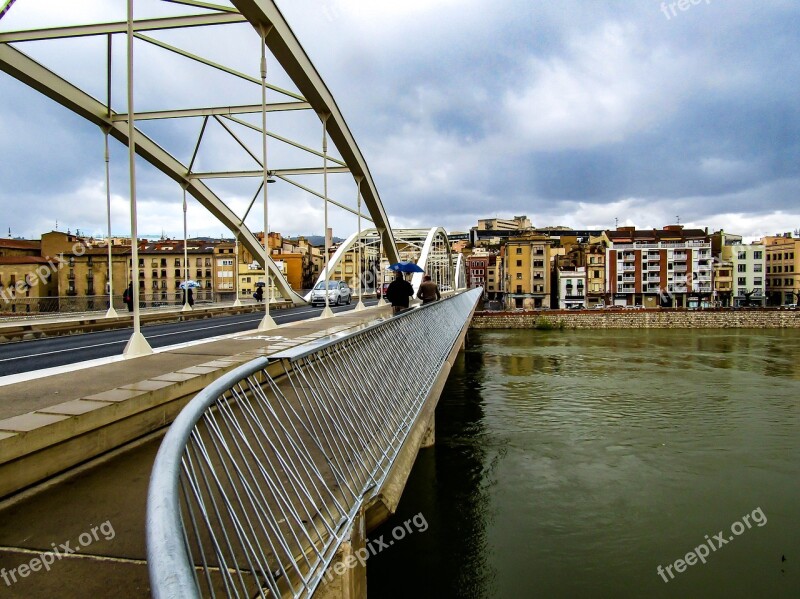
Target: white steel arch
265,17
459,268
428,248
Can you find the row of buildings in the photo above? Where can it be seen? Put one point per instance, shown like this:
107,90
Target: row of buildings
68,265
528,268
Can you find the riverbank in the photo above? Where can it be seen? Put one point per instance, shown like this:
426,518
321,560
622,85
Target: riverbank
638,319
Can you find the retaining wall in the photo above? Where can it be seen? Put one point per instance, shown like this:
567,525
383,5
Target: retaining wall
639,319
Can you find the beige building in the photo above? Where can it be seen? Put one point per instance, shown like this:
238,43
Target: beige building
83,270
527,271
162,269
495,284
504,224
596,293
783,269
225,265
723,282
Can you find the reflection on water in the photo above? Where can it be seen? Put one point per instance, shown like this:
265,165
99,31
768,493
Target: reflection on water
574,463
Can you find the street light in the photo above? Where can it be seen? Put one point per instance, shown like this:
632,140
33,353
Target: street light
267,322
137,345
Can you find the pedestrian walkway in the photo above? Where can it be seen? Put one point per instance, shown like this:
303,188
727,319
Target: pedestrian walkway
94,513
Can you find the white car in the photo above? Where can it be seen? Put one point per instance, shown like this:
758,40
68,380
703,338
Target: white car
338,293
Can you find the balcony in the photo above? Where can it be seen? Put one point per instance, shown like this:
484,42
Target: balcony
629,268
679,268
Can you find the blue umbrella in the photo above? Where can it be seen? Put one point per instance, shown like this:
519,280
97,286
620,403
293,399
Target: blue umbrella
404,267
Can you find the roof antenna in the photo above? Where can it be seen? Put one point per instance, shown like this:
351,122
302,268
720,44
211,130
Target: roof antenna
679,219
616,223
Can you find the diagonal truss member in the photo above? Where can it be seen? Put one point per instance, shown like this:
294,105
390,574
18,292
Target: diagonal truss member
282,43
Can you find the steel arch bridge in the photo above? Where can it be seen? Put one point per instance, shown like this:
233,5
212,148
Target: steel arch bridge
358,259
265,21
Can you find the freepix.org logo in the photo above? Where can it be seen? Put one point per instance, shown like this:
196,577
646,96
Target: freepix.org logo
712,544
46,559
673,9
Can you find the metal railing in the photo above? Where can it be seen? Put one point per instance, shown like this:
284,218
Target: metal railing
22,306
260,478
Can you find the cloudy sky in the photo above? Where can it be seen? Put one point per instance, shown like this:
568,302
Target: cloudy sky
573,112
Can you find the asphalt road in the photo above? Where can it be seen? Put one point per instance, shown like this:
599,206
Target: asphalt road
25,356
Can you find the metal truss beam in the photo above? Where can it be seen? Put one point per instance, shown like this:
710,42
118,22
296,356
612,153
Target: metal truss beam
53,33
285,47
36,76
277,172
213,111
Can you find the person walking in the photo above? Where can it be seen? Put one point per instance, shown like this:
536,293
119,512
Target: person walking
428,291
259,294
127,297
399,293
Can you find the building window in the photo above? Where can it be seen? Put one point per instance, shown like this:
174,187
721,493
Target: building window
741,268
757,255
519,276
741,281
519,262
519,250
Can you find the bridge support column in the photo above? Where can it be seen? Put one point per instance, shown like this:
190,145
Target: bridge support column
346,577
429,438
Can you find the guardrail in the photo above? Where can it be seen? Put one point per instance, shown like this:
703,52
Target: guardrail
260,478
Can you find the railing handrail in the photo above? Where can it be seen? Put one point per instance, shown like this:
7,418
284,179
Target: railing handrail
169,561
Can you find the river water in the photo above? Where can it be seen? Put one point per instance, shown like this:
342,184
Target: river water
575,463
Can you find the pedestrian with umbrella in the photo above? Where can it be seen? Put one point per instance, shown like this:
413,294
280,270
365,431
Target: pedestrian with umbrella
188,294
400,291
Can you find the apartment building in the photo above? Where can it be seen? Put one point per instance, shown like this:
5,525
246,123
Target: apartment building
596,275
723,283
477,266
527,271
504,224
571,287
225,265
83,265
494,276
747,273
668,267
161,269
782,269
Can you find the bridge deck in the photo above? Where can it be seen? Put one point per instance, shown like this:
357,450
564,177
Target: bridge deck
112,489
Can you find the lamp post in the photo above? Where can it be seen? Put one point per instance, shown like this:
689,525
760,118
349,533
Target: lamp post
267,322
326,312
360,304
186,306
379,278
237,302
137,345
111,312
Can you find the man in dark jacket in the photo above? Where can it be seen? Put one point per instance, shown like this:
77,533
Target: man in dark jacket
428,291
398,293
127,297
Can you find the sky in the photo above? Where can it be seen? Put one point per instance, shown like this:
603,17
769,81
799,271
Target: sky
576,113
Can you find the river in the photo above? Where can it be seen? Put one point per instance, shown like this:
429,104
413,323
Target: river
633,463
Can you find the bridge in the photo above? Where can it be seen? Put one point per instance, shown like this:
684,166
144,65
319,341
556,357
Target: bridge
290,441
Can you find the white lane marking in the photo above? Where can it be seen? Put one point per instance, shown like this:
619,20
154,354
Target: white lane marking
216,326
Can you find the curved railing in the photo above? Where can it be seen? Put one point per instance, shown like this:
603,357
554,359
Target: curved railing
261,476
